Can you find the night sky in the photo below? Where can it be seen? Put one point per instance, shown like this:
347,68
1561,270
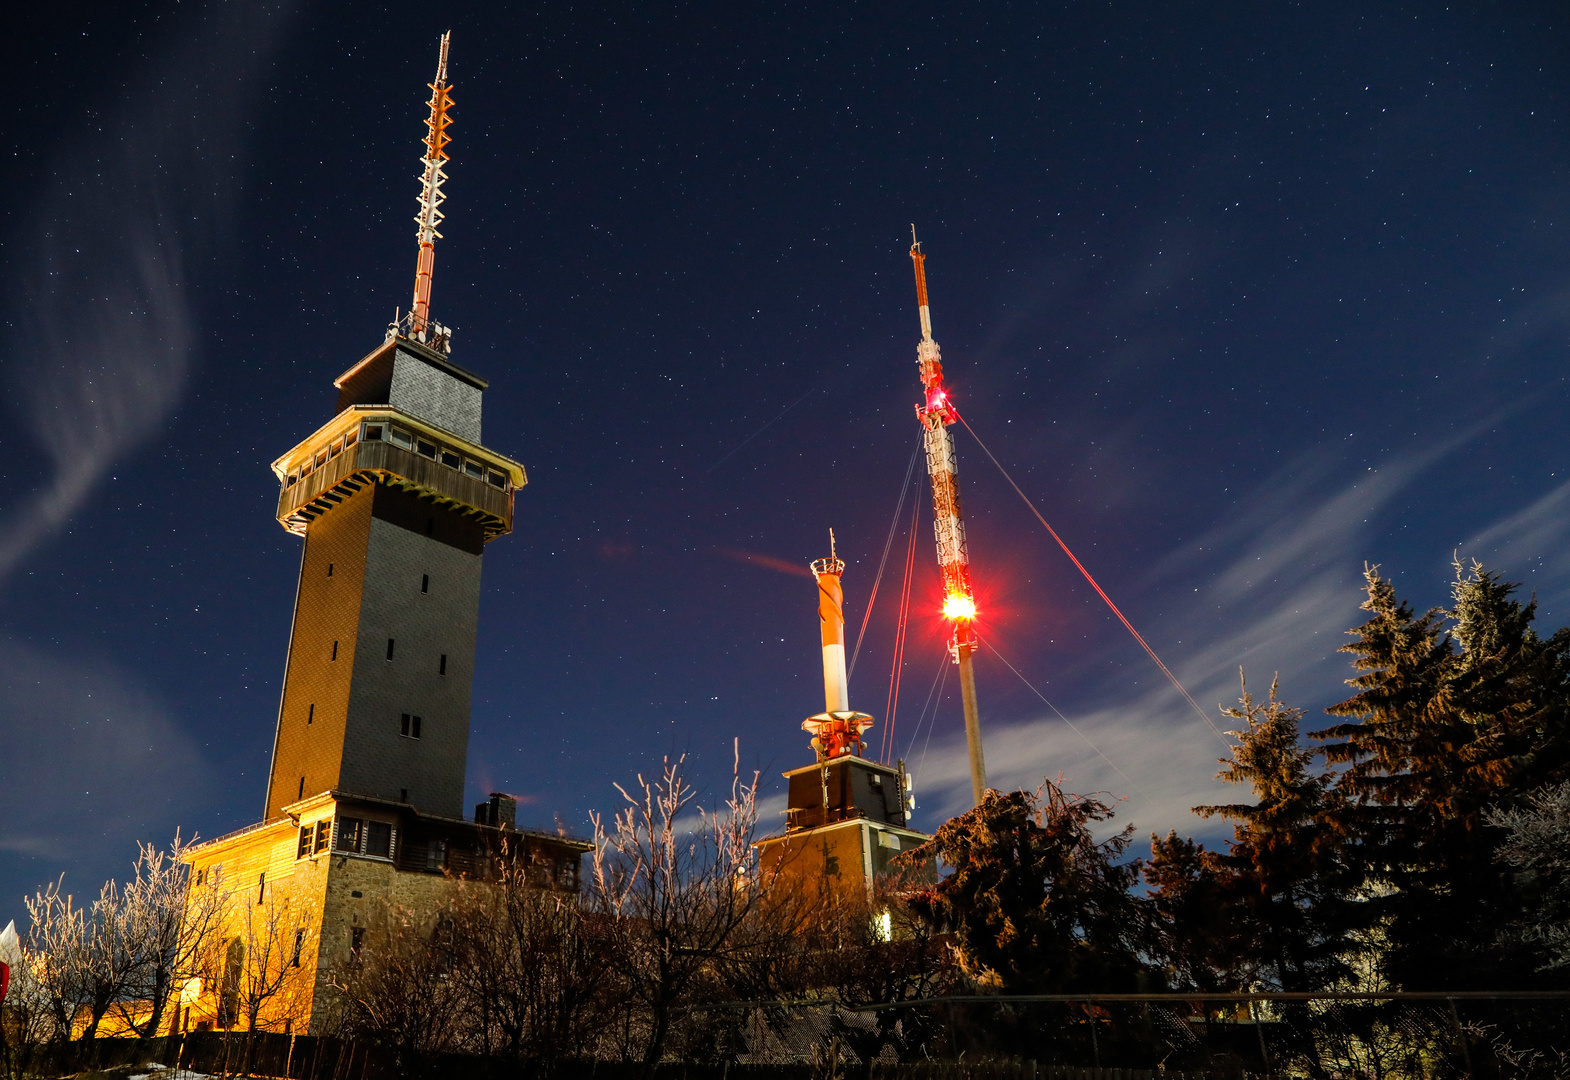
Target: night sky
1242,295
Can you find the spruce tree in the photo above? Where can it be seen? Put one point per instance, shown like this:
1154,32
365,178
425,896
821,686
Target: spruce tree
1200,932
1034,902
1283,867
1456,712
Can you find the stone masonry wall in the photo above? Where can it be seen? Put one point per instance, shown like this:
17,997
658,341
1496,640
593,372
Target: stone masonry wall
318,672
425,625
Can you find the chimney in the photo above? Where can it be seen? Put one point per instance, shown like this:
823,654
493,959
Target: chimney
500,812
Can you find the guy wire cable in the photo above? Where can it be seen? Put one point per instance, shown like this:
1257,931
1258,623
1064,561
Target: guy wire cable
1102,593
887,544
1083,737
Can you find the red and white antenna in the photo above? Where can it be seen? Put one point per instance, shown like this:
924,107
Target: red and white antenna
838,729
433,175
936,414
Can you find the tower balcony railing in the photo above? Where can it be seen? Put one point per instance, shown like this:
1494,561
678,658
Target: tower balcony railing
370,444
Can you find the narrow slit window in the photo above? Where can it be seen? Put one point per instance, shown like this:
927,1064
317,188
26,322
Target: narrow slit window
414,728
310,714
329,569
403,725
261,887
299,947
425,583
335,650
301,794
389,648
441,665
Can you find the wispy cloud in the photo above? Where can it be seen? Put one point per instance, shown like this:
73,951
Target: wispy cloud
104,329
1532,544
103,339
94,762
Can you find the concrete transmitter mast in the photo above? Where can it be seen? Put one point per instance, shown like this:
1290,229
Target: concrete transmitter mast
936,414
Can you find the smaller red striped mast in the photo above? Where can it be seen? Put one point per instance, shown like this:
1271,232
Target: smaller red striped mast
936,414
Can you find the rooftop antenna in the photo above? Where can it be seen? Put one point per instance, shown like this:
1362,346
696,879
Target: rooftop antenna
936,413
838,729
431,197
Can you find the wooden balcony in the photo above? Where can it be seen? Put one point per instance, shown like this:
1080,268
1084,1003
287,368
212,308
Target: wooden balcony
368,462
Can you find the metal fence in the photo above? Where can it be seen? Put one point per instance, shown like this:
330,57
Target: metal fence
1118,1037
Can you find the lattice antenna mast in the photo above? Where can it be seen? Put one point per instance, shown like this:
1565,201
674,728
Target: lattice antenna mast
429,219
936,414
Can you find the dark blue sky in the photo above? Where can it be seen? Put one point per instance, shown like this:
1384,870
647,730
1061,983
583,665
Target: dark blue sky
1244,296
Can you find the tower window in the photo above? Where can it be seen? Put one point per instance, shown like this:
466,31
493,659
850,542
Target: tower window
425,449
373,432
450,459
496,479
323,832
348,835
378,839
389,648
307,834
441,666
335,650
409,726
402,438
261,887
329,569
425,583
299,947
474,470
310,714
